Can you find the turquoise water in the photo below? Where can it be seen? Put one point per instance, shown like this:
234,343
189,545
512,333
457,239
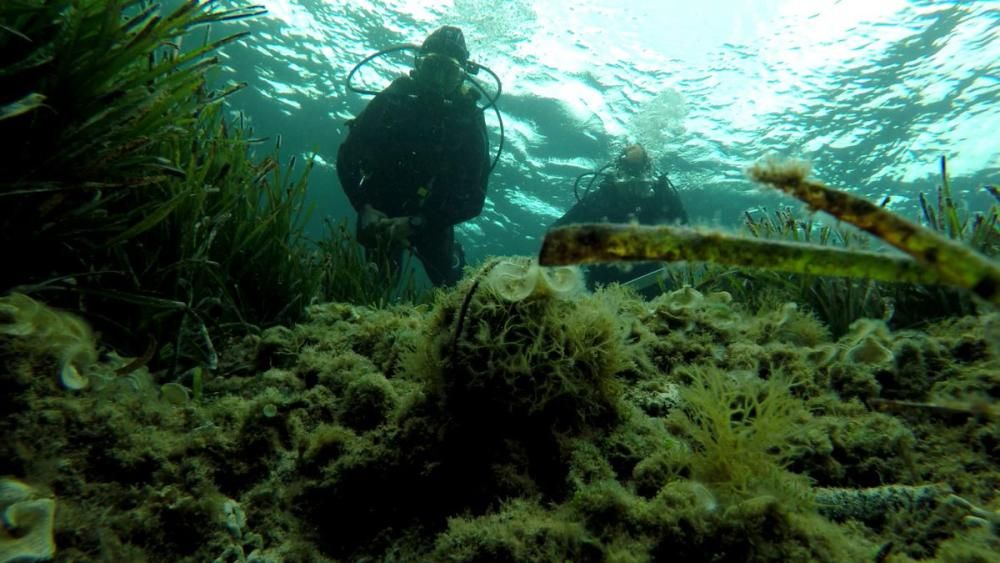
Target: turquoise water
872,92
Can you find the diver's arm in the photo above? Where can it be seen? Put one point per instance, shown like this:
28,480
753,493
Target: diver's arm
355,157
352,157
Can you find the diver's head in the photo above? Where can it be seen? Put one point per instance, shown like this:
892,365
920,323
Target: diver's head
440,64
634,161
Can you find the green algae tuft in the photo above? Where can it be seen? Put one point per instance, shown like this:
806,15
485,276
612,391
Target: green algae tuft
552,354
740,429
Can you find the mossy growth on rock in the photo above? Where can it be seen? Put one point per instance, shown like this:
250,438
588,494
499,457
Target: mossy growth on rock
521,531
402,434
526,346
368,402
505,401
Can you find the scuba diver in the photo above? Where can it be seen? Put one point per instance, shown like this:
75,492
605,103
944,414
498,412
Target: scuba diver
630,191
416,160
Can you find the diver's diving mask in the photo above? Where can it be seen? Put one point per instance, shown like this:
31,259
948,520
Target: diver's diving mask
439,73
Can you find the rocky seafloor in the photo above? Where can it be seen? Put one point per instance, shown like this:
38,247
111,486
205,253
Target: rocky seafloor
501,423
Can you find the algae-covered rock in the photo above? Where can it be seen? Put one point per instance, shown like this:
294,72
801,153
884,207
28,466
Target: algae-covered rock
868,343
866,451
368,402
687,523
557,426
798,328
326,443
919,362
520,531
550,354
276,347
688,308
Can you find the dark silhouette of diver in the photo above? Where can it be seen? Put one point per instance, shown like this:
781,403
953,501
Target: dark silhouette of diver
629,191
416,160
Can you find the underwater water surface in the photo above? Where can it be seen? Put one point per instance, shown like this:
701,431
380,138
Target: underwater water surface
872,93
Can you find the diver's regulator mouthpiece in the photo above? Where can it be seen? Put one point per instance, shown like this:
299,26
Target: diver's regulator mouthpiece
438,72
443,60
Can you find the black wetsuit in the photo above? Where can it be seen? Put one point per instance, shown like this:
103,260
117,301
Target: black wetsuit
613,203
417,155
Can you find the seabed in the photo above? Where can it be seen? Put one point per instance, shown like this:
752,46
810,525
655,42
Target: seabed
517,418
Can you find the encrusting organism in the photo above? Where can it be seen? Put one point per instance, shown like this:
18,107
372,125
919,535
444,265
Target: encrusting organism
64,336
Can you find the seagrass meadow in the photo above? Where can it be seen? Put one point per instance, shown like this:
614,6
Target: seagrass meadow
186,376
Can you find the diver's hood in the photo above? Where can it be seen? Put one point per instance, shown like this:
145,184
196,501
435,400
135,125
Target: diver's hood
447,40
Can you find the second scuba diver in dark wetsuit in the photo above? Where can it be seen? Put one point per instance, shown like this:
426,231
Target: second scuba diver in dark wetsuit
630,193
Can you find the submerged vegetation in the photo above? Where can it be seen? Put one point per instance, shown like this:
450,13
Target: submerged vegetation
132,196
129,196
830,270
351,275
953,262
678,427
